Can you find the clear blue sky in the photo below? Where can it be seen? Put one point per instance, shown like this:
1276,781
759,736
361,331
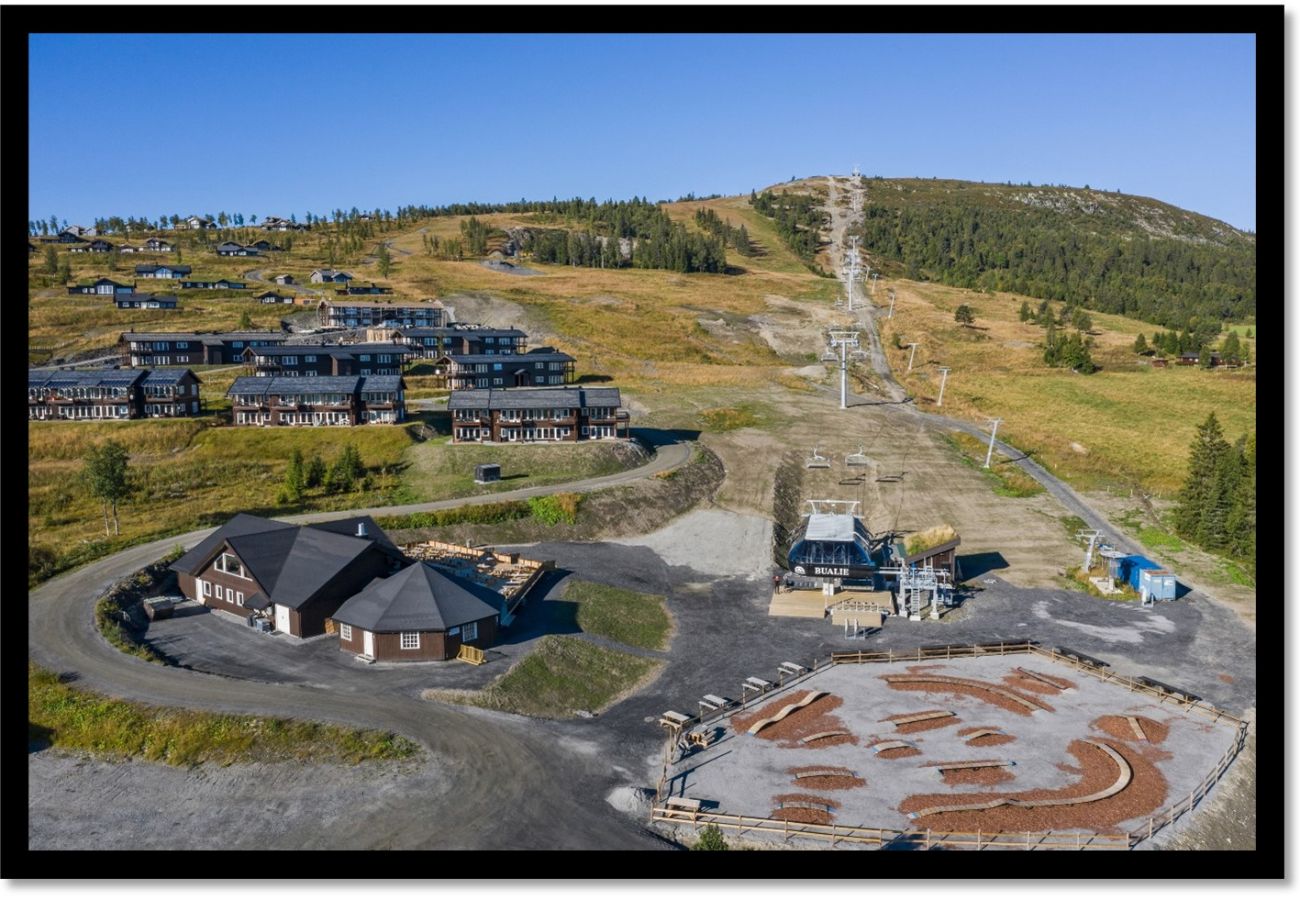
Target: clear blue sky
147,125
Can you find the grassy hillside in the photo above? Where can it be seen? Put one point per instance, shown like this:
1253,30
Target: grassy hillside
1129,425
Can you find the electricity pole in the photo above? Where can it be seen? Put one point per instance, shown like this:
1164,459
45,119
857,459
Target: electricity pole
992,437
913,345
944,370
844,340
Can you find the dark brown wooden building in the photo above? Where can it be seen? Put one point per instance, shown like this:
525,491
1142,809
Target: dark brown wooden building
309,360
527,415
538,367
184,348
89,394
418,615
295,576
321,400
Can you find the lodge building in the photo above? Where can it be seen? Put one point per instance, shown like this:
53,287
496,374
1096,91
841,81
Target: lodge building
311,360
318,400
111,394
530,415
349,313
166,348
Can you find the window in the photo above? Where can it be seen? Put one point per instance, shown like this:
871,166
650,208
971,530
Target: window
309,359
239,598
345,632
230,564
410,640
220,594
207,588
470,632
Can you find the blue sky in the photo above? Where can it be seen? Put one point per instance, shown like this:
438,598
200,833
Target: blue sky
278,123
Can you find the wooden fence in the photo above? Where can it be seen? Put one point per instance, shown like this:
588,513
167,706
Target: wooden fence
881,837
889,837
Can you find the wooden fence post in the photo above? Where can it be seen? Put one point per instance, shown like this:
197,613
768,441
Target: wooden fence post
1151,827
927,839
977,838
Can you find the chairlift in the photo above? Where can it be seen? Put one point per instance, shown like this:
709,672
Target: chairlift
858,354
817,461
857,459
829,356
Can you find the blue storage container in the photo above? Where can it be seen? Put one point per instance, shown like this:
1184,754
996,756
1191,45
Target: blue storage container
1131,568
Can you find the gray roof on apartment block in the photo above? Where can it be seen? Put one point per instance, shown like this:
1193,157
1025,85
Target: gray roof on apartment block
182,270
292,563
458,330
418,598
330,349
207,337
167,376
335,384
533,398
534,356
84,377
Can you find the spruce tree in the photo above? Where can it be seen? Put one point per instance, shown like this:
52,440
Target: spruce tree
1231,349
51,261
1208,449
1240,523
315,475
1140,345
1025,314
293,478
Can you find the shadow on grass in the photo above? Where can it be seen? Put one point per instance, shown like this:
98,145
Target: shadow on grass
973,565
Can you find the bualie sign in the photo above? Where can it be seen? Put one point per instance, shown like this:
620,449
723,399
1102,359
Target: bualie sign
823,571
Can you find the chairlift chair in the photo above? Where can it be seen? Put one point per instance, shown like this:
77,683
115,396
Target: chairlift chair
858,354
857,459
817,461
829,356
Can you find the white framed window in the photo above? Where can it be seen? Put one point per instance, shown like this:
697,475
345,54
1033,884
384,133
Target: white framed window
220,595
410,640
207,588
469,632
239,598
345,632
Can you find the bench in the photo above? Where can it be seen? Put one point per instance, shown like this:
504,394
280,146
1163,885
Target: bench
673,719
756,684
789,668
686,804
713,702
700,738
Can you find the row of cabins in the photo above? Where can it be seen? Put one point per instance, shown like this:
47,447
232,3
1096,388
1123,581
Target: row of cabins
318,400
175,348
344,577
112,394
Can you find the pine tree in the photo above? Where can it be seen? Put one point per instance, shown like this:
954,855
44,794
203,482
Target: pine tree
964,315
1208,450
1025,313
315,475
1231,349
293,478
1240,523
51,261
1140,345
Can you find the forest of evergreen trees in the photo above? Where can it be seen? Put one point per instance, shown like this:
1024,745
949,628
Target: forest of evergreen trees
1045,253
798,218
1216,508
734,237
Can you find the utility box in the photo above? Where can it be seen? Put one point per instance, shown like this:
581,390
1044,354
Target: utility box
1158,584
159,608
486,473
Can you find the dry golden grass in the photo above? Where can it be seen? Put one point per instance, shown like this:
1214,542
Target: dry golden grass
1127,425
930,537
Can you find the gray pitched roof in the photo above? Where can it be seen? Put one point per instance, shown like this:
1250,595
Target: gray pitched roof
61,378
381,383
182,270
533,398
292,563
332,349
458,330
418,598
510,358
205,337
167,376
334,384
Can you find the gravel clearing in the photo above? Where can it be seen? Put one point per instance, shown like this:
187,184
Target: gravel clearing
79,803
687,540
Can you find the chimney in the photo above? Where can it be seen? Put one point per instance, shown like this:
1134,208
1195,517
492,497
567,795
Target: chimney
361,530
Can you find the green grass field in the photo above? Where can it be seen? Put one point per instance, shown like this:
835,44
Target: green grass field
629,617
72,719
560,677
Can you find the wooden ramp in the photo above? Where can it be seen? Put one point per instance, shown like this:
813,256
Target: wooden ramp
799,604
472,655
